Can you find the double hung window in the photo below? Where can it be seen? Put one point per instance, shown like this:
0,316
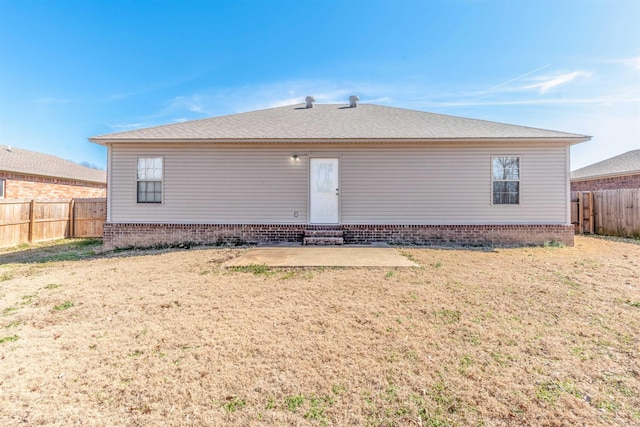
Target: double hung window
149,179
505,180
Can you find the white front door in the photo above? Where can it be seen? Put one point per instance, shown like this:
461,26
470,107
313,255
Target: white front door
324,191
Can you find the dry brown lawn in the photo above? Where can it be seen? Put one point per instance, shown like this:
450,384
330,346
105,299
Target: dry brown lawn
527,336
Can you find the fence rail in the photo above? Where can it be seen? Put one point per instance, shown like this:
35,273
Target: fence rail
607,212
32,221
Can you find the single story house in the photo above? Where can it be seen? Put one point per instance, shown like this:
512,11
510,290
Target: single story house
616,173
358,172
27,174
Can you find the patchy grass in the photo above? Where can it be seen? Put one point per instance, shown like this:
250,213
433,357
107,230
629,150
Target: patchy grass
28,299
234,404
293,403
553,244
550,391
447,316
11,338
256,269
527,336
6,275
408,256
9,310
13,324
64,306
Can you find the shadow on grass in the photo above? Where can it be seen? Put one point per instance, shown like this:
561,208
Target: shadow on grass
57,250
84,249
632,240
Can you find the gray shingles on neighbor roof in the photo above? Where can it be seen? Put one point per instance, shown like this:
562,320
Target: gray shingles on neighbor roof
627,163
334,121
32,163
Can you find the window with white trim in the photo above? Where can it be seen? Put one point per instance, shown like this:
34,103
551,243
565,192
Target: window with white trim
505,180
149,179
1,188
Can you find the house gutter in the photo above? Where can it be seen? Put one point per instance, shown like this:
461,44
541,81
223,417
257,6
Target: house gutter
19,172
609,175
107,141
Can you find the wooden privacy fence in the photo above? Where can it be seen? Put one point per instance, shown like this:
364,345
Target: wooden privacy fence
32,221
607,212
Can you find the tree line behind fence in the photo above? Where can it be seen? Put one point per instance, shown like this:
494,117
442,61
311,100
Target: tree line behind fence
30,221
607,212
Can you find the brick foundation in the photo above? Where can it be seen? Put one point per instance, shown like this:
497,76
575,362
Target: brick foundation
614,183
144,235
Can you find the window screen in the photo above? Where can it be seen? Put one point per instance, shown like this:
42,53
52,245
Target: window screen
149,178
506,180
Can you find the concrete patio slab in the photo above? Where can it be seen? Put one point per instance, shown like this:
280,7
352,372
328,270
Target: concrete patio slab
304,256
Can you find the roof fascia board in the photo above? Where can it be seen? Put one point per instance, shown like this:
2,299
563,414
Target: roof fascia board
19,172
107,141
609,175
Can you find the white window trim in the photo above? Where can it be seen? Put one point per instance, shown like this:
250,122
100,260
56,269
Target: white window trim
519,180
150,180
3,188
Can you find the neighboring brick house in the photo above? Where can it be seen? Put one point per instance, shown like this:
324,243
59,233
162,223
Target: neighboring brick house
616,173
29,175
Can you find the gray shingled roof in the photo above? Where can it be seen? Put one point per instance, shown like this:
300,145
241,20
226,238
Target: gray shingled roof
30,162
627,163
331,121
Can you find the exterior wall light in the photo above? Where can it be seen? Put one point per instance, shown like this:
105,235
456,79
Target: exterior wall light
295,157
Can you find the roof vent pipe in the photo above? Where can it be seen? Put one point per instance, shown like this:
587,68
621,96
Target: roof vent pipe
309,100
353,101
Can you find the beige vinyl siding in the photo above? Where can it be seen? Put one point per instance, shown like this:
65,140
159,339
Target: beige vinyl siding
205,184
446,183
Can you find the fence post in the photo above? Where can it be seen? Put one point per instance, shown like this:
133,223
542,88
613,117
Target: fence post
592,228
32,218
72,204
581,212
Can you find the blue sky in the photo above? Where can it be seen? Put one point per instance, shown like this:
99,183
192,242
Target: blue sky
74,69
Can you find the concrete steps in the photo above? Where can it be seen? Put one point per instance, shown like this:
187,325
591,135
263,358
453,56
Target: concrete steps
323,237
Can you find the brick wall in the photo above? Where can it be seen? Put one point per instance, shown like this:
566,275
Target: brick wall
143,235
615,183
19,186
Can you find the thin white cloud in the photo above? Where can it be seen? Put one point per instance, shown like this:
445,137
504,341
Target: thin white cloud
123,127
286,101
633,63
548,83
536,101
193,103
572,111
516,78
247,98
541,84
414,93
119,96
379,100
154,87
